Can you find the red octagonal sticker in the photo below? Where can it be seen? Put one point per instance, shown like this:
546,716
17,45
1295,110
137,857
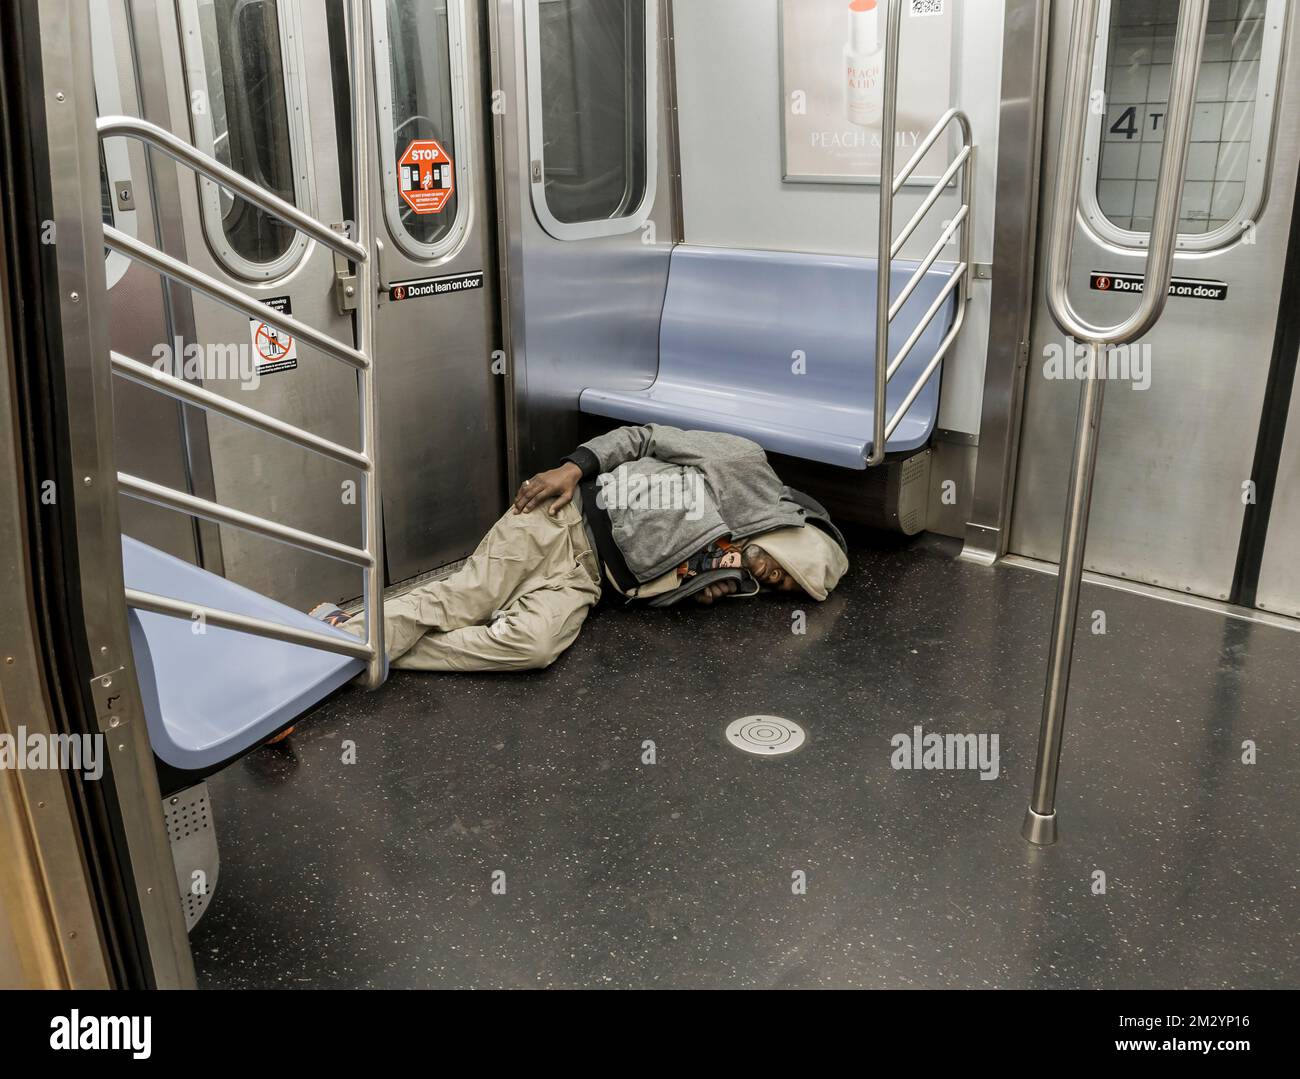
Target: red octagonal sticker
426,176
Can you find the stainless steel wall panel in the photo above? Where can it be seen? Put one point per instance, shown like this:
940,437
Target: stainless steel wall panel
149,436
1015,223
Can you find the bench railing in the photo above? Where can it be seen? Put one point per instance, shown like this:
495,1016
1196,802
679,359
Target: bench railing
890,245
358,250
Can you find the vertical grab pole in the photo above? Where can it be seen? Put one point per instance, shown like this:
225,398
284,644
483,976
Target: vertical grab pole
1040,818
373,591
885,234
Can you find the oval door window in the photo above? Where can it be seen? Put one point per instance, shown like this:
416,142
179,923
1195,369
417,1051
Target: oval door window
419,77
248,114
1231,127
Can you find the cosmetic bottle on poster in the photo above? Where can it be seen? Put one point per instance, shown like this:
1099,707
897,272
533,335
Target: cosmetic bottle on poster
864,64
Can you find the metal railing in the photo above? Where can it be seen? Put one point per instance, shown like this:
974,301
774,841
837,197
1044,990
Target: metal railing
1040,818
889,246
367,556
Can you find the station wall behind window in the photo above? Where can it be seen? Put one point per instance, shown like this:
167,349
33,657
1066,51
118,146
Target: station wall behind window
419,65
593,100
1225,138
245,118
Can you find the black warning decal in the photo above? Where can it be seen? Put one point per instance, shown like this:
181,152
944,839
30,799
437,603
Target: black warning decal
1187,288
435,286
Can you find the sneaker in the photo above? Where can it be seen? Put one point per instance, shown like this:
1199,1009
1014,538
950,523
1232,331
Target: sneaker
327,612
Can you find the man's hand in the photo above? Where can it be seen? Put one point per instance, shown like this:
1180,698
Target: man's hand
558,484
705,596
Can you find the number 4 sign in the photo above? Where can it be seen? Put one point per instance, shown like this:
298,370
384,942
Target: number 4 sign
426,176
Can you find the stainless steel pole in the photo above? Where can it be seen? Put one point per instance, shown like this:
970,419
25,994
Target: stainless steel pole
373,592
885,235
1040,817
1189,41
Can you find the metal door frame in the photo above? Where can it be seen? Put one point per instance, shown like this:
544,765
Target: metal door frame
1015,242
82,287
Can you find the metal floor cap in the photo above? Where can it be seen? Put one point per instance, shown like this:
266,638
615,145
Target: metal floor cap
767,736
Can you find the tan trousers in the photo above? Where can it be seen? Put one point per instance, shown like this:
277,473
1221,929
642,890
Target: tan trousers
516,604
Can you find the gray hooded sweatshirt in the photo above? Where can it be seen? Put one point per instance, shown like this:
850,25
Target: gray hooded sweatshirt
669,493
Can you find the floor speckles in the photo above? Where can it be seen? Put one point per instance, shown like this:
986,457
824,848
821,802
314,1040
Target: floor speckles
509,830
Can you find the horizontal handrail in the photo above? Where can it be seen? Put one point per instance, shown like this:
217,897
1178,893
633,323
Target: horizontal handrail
164,264
178,149
170,498
919,275
242,623
954,279
192,394
930,200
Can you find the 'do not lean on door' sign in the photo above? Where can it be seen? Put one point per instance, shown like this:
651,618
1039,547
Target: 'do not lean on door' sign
426,176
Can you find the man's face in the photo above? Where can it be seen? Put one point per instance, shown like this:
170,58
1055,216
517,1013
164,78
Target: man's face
767,571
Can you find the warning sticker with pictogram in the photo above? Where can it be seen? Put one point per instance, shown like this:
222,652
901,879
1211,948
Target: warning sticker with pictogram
426,176
273,349
1187,288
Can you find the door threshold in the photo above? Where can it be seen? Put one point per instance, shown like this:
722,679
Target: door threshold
1168,595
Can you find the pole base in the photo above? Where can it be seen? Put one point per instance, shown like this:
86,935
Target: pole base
1039,829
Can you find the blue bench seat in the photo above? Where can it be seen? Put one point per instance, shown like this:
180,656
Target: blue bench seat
737,325
211,696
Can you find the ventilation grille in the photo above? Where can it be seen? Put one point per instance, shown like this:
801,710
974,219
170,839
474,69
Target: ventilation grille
193,838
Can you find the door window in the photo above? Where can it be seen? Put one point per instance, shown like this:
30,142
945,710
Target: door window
248,113
424,149
592,98
1236,93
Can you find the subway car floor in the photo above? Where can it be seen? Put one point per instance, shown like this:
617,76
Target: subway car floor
682,872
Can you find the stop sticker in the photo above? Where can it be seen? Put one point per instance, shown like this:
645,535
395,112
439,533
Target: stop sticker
426,176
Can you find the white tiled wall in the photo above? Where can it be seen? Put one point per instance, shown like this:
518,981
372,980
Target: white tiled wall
1137,90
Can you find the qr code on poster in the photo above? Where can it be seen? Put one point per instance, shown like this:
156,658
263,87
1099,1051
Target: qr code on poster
921,8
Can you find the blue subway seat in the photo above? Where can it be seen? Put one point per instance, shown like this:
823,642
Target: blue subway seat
737,324
210,696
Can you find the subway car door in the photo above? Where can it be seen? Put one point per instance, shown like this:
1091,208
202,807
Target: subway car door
1182,416
250,82
440,371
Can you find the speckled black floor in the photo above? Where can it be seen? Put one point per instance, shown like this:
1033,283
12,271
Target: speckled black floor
619,873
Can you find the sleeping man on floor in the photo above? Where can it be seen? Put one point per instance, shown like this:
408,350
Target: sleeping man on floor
650,514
